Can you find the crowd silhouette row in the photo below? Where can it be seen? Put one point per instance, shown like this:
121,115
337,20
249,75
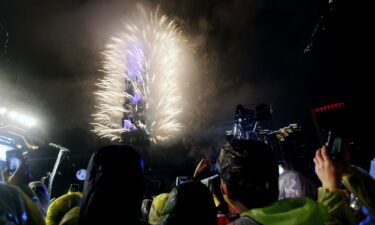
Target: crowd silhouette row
247,189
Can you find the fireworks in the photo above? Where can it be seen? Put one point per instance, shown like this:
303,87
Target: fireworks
141,89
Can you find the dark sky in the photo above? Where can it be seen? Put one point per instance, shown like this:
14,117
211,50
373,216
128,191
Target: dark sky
251,52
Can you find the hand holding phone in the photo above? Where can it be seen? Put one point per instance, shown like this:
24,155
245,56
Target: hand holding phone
14,160
18,170
330,171
326,170
333,125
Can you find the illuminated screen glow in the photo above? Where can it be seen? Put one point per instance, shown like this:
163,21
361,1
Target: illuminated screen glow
3,150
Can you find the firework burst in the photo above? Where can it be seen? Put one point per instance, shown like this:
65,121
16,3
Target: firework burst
140,89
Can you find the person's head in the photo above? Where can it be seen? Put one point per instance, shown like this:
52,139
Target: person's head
249,174
16,207
114,187
189,203
12,206
41,191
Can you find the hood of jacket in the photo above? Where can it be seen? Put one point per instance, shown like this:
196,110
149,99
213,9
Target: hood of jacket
293,211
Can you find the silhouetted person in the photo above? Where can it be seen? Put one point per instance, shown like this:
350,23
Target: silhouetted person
292,184
249,181
113,188
189,203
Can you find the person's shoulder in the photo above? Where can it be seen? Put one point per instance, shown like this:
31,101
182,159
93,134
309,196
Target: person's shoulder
9,191
244,221
6,187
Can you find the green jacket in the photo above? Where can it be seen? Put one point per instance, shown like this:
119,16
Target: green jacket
292,211
338,206
362,185
332,208
358,182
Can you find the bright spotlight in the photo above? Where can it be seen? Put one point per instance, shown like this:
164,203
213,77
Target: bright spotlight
3,111
13,115
19,118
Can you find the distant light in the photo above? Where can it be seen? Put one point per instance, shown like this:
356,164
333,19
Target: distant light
81,174
19,146
22,119
33,147
30,122
281,169
13,115
328,108
3,111
127,124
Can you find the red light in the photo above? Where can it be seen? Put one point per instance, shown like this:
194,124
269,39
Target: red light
329,108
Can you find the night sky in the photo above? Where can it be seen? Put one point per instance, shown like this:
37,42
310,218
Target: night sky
250,51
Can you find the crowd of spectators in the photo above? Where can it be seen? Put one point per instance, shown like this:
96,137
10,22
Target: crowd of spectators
246,190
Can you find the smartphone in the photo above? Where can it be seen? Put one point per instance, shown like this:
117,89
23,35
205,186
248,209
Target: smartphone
181,179
333,124
213,168
14,160
334,146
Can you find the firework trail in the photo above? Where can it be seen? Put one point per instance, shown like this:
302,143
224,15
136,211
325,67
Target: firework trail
141,89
